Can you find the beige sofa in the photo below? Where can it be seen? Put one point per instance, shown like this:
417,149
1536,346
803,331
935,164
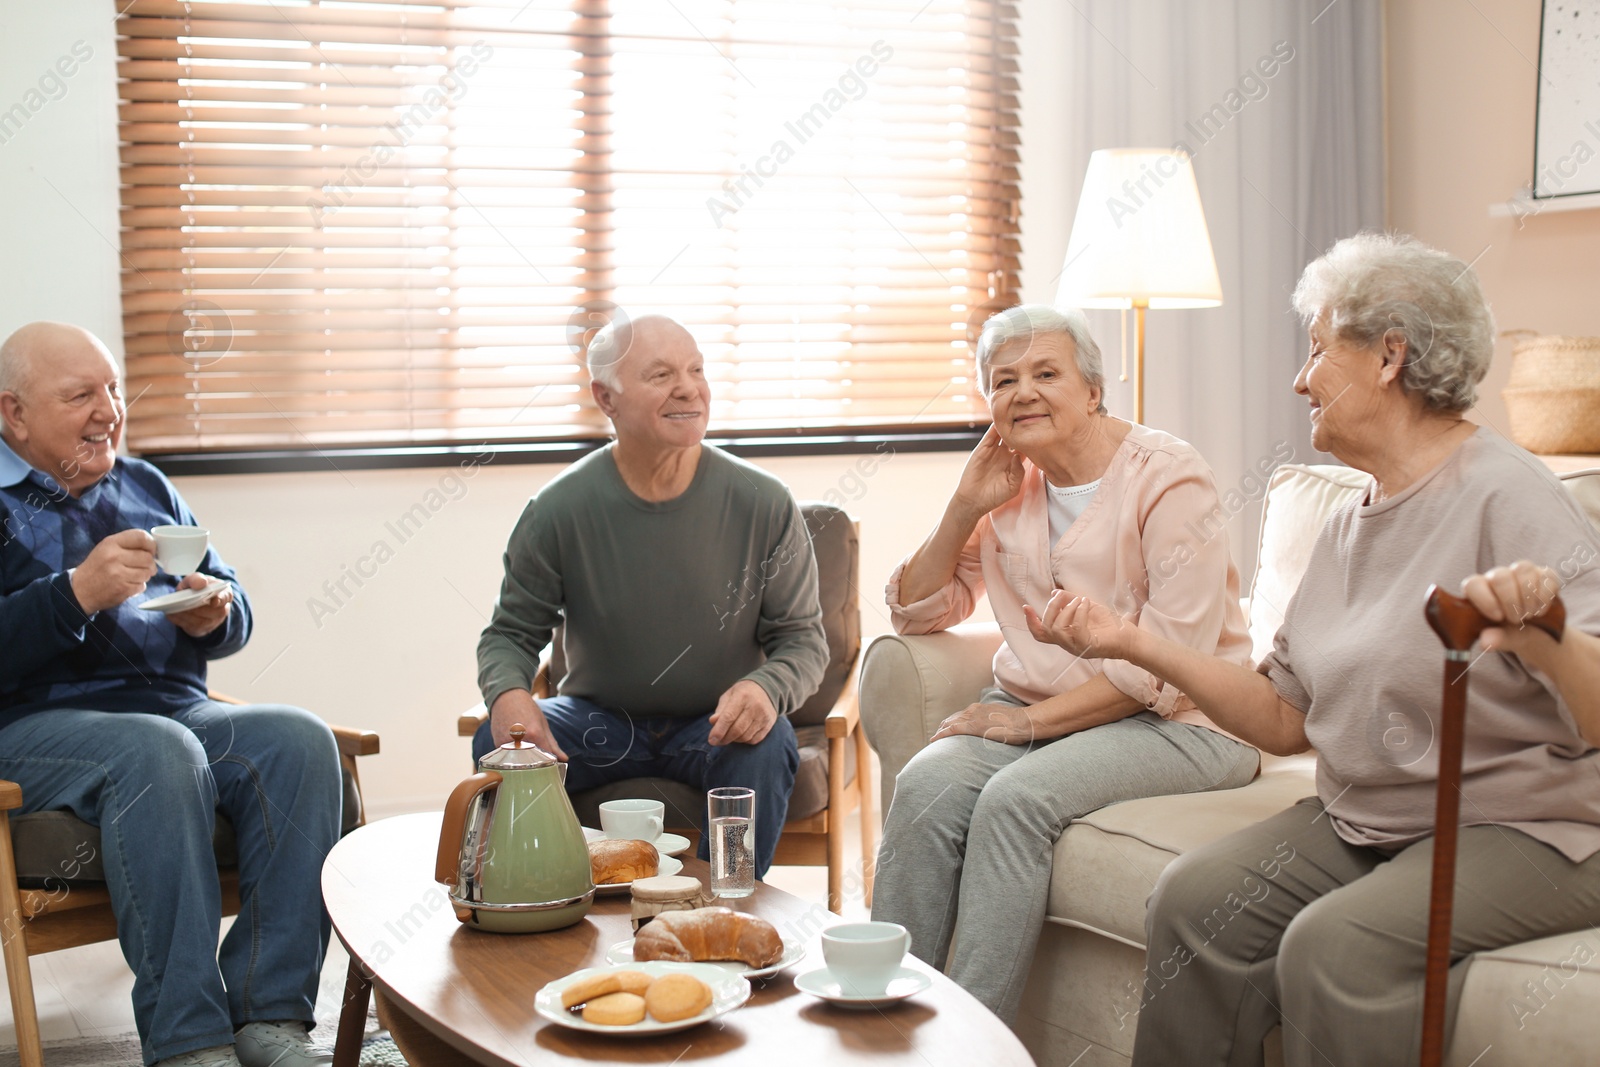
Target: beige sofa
1534,1002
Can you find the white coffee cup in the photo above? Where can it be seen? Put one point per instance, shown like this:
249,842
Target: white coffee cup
864,957
179,549
633,820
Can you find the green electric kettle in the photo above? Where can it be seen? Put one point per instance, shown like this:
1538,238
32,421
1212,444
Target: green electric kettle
510,847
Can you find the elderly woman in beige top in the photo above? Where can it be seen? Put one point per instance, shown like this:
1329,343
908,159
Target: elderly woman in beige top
1331,941
1057,495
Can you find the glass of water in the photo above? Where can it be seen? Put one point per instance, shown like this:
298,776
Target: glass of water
731,814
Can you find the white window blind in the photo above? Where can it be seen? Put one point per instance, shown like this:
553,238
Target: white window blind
369,224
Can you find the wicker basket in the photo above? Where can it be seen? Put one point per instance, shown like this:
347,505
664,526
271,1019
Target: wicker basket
1553,397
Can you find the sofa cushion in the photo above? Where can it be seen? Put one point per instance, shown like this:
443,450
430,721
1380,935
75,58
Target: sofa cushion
1107,862
1533,1002
1299,500
1584,485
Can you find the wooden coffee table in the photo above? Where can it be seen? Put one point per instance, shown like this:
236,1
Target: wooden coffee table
454,995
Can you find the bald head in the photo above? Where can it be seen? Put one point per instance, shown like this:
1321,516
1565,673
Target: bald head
61,401
623,336
33,348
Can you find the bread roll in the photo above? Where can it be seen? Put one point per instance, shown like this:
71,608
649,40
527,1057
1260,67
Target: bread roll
612,862
708,934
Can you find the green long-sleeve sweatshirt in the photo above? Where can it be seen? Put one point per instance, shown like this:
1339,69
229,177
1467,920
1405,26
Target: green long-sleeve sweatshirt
665,604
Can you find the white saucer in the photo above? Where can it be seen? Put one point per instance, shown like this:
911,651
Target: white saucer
793,953
672,844
668,865
184,599
825,984
666,844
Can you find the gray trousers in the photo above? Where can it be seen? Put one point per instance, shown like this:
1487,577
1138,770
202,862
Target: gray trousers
1284,921
969,839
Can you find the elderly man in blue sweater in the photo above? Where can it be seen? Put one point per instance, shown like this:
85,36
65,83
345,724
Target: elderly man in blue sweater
104,713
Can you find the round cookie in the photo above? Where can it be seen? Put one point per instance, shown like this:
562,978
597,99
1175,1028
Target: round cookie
589,987
633,982
677,996
615,1009
595,985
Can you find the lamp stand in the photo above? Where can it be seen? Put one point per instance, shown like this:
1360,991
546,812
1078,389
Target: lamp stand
1139,307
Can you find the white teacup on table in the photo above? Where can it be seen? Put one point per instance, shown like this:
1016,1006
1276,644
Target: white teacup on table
633,820
179,549
864,957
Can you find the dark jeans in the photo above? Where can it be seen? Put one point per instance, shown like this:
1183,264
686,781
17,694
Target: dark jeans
605,746
154,786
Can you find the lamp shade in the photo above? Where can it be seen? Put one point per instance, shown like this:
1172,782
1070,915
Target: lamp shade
1140,235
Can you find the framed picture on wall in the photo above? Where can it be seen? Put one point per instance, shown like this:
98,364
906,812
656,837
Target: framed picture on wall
1566,144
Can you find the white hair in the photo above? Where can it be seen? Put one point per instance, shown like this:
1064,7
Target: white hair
1025,322
604,356
1372,283
13,365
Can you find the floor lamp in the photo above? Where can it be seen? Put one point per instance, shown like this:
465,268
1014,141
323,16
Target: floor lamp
1139,241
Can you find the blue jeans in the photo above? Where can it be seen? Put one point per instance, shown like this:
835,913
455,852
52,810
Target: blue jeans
605,746
154,785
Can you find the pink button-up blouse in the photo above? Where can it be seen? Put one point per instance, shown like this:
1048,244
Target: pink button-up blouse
1152,545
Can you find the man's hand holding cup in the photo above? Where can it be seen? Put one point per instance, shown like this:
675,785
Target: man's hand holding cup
115,569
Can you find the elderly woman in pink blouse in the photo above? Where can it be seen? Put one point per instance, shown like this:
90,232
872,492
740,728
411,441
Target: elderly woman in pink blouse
1317,918
1057,495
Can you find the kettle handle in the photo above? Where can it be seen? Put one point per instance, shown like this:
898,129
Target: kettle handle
447,866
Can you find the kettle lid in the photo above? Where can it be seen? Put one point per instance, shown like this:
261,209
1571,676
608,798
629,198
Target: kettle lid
517,754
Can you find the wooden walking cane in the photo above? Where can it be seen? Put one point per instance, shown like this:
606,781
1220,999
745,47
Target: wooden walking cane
1458,625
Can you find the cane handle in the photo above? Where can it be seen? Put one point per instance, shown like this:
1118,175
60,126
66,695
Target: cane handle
1458,623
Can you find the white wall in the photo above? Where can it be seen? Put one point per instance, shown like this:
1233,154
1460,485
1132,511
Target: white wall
1462,90
58,168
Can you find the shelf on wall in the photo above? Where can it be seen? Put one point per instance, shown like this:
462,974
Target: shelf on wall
1520,205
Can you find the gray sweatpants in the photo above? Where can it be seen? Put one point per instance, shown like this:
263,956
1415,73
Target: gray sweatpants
969,839
1285,921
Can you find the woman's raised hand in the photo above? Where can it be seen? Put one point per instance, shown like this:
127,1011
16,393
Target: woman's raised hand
992,476
1081,626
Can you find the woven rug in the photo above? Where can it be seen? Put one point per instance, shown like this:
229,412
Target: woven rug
377,1050
122,1050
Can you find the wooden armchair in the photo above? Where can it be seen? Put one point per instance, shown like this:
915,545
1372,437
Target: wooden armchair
835,774
58,902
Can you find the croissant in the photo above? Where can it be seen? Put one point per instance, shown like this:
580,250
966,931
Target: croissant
708,934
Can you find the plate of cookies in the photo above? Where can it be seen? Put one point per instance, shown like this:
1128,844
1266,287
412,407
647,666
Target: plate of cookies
613,865
658,997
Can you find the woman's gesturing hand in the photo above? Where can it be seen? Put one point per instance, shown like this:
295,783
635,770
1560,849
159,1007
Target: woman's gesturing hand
1511,596
992,476
1003,724
1081,626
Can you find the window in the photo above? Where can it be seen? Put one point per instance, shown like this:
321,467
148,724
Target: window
384,224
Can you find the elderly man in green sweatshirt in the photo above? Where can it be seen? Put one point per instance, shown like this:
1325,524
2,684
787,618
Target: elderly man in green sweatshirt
687,587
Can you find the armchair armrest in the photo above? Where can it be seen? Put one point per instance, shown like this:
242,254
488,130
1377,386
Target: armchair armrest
10,795
845,715
467,725
909,683
353,742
